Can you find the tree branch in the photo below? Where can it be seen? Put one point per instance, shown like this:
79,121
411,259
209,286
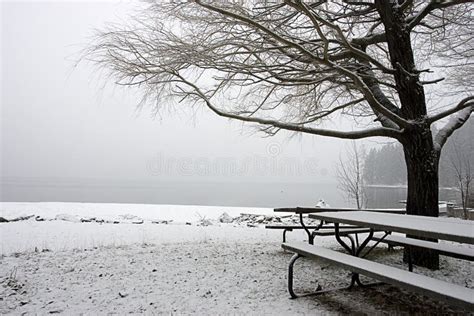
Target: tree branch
464,103
372,132
360,83
433,5
453,124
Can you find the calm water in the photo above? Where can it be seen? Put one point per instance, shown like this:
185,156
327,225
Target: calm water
386,197
194,193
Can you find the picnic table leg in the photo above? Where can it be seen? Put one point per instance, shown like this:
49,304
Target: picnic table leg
310,236
284,233
364,243
375,245
318,291
410,261
321,224
355,251
351,249
354,279
290,275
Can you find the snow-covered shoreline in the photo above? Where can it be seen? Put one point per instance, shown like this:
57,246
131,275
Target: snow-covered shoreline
116,211
67,226
72,267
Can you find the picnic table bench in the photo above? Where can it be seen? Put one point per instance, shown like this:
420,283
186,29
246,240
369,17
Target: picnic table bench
420,226
454,251
451,293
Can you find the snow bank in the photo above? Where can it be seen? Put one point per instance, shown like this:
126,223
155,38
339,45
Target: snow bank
116,212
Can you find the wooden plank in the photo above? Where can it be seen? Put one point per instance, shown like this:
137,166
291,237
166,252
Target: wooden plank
344,231
309,210
451,293
423,226
444,249
296,226
292,227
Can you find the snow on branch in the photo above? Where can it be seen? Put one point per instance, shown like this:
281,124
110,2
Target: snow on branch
371,132
453,124
464,103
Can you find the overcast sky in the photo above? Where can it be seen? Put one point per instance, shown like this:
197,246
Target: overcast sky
59,122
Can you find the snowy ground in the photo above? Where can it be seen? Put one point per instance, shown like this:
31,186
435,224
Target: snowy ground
72,267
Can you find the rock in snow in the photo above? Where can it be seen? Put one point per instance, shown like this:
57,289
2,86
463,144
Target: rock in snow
225,218
67,218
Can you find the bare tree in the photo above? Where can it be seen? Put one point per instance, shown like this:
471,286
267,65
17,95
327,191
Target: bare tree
349,173
461,166
294,65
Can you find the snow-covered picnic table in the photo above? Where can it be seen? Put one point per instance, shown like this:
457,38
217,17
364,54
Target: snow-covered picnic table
448,229
321,228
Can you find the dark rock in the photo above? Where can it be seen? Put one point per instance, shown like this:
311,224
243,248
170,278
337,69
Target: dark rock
88,219
21,218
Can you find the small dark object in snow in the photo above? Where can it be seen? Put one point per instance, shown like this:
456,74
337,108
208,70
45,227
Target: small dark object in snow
21,218
39,219
165,222
188,223
3,220
23,303
138,221
122,295
87,220
154,270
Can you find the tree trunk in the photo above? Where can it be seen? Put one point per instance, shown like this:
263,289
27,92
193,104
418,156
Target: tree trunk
422,196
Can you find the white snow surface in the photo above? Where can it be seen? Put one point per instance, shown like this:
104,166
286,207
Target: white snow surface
70,267
111,211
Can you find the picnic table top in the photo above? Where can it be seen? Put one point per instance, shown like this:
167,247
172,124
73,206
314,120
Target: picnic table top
422,226
309,210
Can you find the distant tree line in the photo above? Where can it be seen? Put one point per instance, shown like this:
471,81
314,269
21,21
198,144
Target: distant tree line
386,165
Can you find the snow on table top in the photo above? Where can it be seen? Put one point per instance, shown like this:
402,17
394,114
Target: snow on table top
430,227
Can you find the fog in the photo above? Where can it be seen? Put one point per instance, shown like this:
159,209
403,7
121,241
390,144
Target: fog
69,134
